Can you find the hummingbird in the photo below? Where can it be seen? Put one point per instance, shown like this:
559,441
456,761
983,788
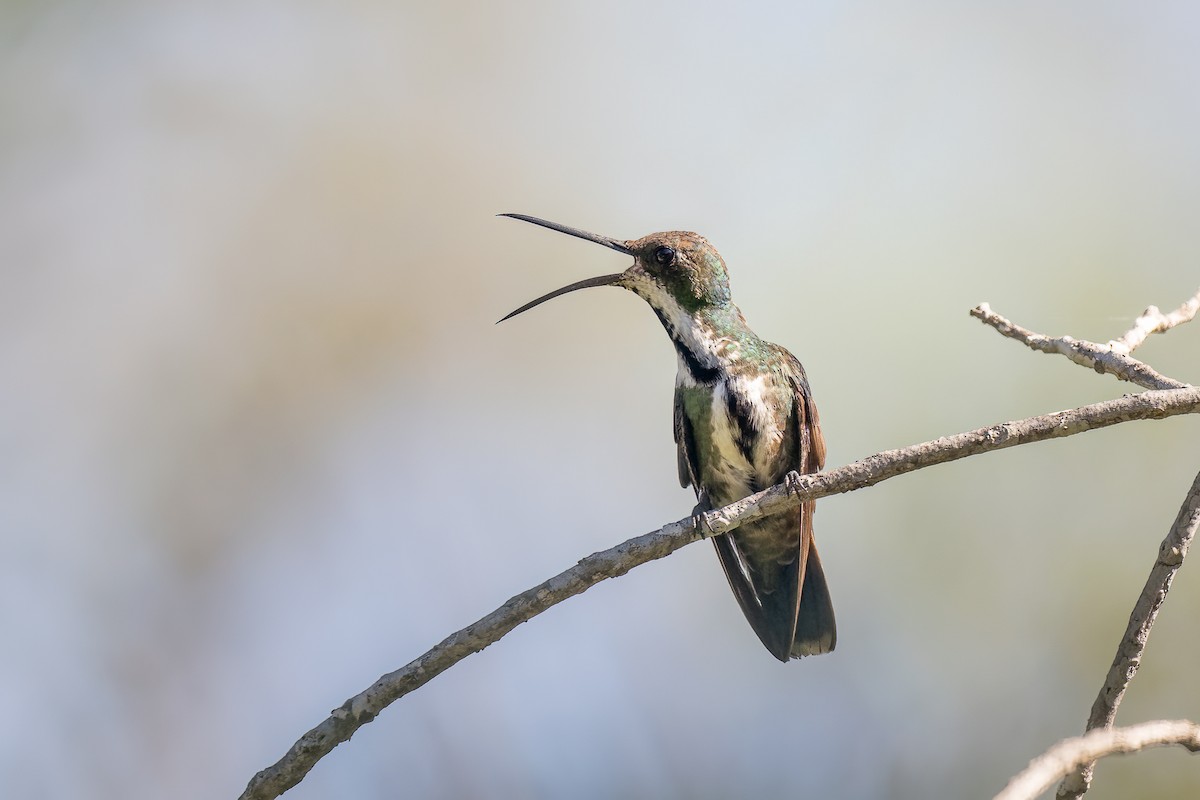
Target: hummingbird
744,418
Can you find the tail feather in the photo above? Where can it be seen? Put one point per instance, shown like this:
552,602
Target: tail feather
816,629
794,616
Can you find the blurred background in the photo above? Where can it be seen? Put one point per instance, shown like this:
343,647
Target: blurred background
260,440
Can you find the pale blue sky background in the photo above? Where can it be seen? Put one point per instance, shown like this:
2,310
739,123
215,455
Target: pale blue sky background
261,442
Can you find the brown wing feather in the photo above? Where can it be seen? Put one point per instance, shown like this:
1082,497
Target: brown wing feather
811,457
816,628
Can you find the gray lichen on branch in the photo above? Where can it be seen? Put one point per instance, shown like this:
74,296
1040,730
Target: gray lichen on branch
1114,358
1100,357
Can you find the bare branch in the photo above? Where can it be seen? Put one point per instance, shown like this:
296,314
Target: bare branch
1125,664
1114,359
1070,754
1099,357
362,708
1154,321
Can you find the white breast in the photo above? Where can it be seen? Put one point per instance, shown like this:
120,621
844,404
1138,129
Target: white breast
728,467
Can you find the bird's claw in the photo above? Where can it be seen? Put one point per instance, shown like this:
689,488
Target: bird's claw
701,525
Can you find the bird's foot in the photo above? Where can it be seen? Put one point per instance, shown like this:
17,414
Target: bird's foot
793,482
700,525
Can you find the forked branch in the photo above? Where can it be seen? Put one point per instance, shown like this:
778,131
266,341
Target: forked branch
1100,357
1113,358
1154,321
1125,664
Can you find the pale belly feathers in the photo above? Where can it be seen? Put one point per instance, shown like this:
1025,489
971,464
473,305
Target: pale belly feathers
735,461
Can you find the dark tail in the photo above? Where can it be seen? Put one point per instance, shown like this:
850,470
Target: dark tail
791,619
816,630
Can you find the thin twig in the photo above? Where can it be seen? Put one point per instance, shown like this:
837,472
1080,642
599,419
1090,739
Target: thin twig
1125,664
1069,754
1088,354
1154,321
1114,359
362,708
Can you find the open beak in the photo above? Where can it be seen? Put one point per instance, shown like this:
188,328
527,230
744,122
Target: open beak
603,280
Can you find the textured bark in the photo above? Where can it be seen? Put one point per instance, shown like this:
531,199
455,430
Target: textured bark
1125,664
1101,357
1154,321
1113,358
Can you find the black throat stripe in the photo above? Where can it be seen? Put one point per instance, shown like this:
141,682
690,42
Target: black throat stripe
700,372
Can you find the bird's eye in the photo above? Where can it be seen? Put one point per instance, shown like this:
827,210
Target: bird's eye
664,255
